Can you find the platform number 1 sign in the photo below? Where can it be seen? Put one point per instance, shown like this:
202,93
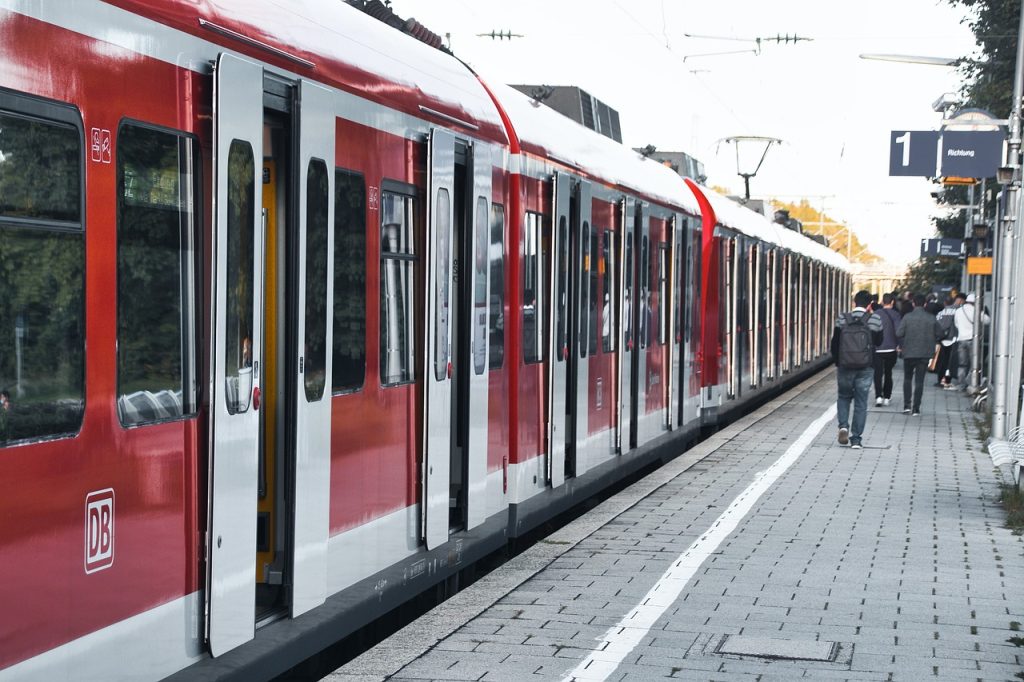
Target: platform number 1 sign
913,152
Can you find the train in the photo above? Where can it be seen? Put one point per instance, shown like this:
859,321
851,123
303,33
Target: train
238,425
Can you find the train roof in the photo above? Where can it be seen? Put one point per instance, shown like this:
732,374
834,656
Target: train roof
545,132
348,48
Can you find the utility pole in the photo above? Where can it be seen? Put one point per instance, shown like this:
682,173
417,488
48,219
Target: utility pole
1008,245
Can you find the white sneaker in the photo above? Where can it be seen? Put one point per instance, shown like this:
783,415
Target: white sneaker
879,401
885,401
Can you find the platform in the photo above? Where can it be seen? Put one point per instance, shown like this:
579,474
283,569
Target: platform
766,552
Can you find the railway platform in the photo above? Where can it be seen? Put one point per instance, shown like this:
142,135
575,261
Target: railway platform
766,552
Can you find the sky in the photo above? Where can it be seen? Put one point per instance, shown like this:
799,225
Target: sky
833,110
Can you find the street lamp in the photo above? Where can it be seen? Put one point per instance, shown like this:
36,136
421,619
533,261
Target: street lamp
747,149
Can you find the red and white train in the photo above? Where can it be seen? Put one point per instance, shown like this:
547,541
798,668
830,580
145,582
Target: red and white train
240,424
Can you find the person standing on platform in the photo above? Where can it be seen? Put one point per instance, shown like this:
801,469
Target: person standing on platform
945,368
918,334
885,352
966,316
854,338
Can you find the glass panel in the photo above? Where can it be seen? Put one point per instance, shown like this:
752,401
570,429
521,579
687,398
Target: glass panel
154,276
592,302
583,323
533,302
497,303
349,366
240,266
645,292
441,292
627,314
608,266
482,245
397,278
42,332
561,293
315,349
661,315
40,170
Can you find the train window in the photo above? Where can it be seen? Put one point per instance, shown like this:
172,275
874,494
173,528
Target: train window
584,279
441,287
156,371
42,273
349,366
497,302
608,267
397,280
315,347
533,286
480,302
561,302
661,316
645,292
240,267
627,312
40,170
592,303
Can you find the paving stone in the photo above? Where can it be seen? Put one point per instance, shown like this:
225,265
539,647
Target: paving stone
897,552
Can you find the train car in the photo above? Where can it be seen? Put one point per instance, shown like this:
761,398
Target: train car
301,318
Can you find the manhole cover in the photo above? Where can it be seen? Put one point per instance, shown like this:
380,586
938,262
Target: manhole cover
766,647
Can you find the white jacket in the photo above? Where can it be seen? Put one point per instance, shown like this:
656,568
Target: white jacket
964,321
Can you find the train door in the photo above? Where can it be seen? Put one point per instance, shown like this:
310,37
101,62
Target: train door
625,393
677,236
472,241
578,396
236,347
558,346
310,504
437,365
642,320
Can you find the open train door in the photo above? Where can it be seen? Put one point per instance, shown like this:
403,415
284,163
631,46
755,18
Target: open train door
237,344
558,346
579,365
311,515
480,274
627,318
674,416
437,364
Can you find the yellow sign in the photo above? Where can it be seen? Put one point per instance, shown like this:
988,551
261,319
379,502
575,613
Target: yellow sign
977,265
952,180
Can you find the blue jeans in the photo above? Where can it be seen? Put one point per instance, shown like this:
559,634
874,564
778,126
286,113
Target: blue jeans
854,384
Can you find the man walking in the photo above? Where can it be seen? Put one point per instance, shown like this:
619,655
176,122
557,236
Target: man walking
966,315
854,338
917,334
885,352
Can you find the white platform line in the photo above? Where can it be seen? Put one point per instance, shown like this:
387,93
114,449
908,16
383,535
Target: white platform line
622,638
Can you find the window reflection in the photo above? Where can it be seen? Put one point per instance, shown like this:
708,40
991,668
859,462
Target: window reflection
238,342
42,279
397,279
315,370
155,372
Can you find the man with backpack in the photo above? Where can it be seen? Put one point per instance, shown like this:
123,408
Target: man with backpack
946,367
854,338
918,334
885,352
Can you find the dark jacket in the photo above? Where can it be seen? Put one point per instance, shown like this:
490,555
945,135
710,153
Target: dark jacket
918,333
874,325
890,321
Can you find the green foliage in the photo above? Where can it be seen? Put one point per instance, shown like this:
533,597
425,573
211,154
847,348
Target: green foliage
926,273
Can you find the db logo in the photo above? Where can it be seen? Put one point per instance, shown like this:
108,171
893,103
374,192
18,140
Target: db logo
99,530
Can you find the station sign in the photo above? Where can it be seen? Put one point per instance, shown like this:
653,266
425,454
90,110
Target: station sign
913,152
948,248
949,153
971,153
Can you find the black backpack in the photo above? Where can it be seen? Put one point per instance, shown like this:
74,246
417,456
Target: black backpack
855,348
